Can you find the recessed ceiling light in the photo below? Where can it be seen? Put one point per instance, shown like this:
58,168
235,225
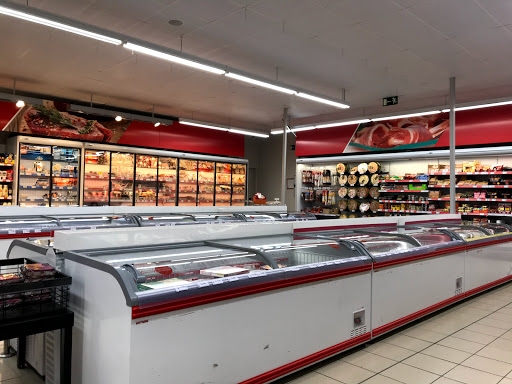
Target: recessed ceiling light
157,124
20,103
176,23
119,118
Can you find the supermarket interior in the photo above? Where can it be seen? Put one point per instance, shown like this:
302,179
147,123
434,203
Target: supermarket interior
255,191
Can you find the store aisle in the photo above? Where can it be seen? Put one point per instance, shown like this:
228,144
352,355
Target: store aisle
470,343
10,374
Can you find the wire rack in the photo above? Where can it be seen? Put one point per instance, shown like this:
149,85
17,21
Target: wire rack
31,297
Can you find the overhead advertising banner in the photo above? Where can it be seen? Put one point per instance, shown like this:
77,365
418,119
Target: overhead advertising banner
399,134
54,119
484,126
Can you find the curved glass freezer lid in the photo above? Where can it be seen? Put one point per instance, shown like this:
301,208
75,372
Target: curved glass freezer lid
274,216
473,232
155,220
217,217
27,224
96,221
150,275
392,241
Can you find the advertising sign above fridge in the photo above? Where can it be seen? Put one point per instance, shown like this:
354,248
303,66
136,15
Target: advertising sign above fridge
485,126
54,119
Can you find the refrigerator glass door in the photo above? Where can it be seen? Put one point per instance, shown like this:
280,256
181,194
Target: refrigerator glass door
223,184
146,180
65,175
167,181
35,175
97,178
187,183
121,181
239,184
206,183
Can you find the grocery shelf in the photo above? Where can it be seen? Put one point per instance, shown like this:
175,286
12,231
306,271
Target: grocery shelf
121,179
95,200
73,162
6,165
484,214
404,201
6,181
404,181
471,186
145,201
497,200
404,190
472,173
146,179
33,187
34,200
37,174
440,199
147,168
97,177
121,200
94,189
65,188
6,198
65,176
402,211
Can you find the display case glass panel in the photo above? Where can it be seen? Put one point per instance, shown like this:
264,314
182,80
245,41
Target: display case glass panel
96,178
167,167
165,220
206,173
27,225
65,176
239,184
121,180
95,222
223,184
146,180
34,175
187,193
218,218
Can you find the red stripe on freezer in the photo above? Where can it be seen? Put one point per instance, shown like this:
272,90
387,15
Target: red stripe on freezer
26,235
138,312
488,286
308,360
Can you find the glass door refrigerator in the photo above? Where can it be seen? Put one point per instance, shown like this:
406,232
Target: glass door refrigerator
206,179
97,177
167,181
146,173
121,178
223,184
34,181
239,184
65,174
187,186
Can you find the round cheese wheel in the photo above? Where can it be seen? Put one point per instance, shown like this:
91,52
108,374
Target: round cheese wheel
373,167
362,168
343,179
375,179
352,179
341,168
363,180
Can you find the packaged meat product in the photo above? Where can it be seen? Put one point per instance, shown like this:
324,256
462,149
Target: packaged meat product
375,179
352,179
343,179
373,167
342,192
342,205
341,168
362,192
353,205
10,278
224,271
352,192
364,207
374,206
374,192
37,271
362,168
363,180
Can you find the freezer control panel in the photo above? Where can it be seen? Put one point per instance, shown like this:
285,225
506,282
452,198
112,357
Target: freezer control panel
359,318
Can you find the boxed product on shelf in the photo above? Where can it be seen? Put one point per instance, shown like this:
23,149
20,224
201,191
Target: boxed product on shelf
224,271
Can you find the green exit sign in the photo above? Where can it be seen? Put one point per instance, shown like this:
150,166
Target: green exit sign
393,100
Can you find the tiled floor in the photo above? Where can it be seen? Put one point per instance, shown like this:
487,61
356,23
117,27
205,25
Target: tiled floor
469,343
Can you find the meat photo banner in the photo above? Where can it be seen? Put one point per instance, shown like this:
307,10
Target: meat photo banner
484,126
54,119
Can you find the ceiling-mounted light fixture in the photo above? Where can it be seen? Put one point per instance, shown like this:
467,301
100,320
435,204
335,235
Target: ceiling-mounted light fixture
20,103
173,58
248,133
54,24
277,131
322,100
342,123
119,118
157,124
303,129
260,83
202,125
408,115
480,106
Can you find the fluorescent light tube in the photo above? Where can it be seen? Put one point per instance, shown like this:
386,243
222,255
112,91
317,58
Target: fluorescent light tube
339,124
277,131
322,100
303,129
57,25
187,122
479,106
408,115
249,133
174,59
260,83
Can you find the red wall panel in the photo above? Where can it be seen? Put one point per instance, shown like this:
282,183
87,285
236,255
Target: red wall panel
7,112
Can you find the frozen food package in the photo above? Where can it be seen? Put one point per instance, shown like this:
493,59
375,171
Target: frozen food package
37,271
224,271
10,278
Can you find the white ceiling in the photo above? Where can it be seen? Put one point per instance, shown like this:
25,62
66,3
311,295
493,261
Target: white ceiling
370,48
